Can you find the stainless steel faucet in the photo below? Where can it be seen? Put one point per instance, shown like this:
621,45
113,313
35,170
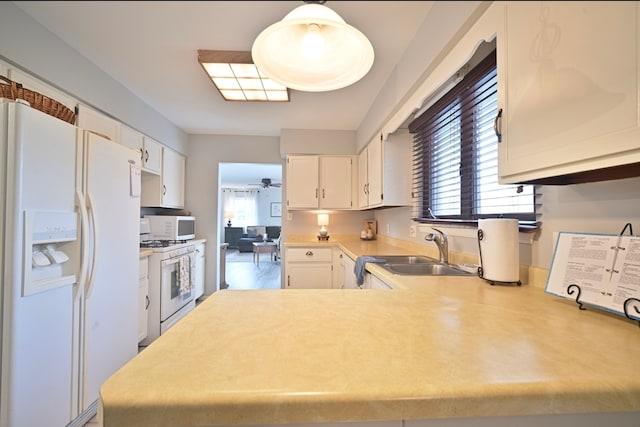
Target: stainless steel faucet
441,242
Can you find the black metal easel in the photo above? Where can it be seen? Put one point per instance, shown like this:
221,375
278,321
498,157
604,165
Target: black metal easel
629,302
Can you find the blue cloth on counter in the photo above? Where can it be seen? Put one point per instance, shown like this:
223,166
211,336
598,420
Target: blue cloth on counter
360,264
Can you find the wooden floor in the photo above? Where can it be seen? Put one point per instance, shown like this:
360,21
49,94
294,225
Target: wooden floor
242,273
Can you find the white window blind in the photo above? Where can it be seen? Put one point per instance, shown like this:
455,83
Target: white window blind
456,156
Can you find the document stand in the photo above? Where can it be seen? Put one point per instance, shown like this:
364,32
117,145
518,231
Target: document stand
629,302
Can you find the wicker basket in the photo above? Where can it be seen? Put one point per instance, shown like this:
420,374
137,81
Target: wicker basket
13,90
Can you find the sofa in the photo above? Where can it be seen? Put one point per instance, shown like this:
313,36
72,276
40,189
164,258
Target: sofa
256,233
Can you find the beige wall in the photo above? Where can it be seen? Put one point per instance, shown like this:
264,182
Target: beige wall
598,207
33,49
313,141
203,190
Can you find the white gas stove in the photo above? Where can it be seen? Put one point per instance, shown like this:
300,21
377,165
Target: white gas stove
171,282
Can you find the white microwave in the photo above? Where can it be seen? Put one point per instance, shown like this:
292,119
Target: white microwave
170,227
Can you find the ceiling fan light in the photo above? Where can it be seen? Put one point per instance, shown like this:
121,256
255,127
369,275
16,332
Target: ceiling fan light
347,57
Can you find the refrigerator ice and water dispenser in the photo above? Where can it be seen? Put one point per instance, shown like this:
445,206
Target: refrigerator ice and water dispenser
49,240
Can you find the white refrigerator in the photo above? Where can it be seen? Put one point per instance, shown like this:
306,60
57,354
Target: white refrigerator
69,253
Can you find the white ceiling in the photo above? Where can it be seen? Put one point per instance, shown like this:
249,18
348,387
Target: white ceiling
151,47
248,175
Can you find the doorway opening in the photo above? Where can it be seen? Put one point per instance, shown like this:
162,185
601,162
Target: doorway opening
250,218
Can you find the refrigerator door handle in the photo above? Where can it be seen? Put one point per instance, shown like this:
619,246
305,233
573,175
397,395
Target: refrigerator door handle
84,233
92,276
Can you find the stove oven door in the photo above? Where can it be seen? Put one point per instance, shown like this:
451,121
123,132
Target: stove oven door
176,284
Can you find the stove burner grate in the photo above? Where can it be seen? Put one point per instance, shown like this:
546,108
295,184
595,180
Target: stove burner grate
160,243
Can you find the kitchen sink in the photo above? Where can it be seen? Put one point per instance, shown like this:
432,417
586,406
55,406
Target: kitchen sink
417,265
406,259
424,269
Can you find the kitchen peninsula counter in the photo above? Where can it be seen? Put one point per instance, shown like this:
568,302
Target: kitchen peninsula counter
440,348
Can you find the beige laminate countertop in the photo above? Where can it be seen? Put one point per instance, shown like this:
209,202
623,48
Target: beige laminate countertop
144,252
439,348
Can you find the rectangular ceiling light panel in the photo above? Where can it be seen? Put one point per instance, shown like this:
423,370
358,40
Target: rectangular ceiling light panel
237,78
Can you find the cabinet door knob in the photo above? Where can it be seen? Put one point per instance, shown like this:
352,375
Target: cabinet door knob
309,253
164,190
496,128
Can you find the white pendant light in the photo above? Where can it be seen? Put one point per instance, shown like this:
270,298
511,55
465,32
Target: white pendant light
313,50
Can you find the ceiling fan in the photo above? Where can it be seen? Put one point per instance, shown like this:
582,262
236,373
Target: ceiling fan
266,183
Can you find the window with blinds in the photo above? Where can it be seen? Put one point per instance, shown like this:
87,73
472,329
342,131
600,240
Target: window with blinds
455,157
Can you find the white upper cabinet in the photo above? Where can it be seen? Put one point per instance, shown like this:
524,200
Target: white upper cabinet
167,189
370,175
335,182
150,149
173,177
384,172
151,156
131,138
302,182
314,182
569,76
98,123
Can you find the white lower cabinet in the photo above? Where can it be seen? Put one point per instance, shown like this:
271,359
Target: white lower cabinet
349,275
143,297
338,268
343,275
346,276
308,268
373,282
200,263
